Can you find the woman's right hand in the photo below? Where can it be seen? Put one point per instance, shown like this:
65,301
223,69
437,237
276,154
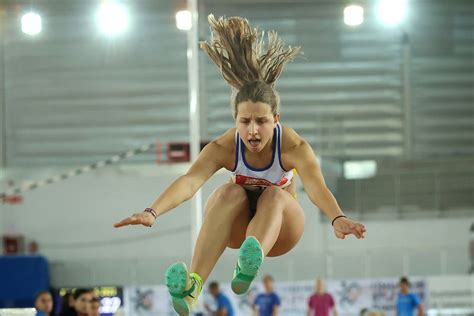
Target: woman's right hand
143,218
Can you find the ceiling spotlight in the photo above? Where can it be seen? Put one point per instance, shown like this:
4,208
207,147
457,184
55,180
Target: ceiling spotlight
353,15
391,12
113,18
31,23
184,20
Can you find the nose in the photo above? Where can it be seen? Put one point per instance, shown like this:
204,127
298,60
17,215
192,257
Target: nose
252,128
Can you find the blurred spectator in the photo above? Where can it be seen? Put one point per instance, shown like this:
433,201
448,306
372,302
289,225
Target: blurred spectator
94,307
82,300
320,303
44,303
67,303
268,303
407,302
223,305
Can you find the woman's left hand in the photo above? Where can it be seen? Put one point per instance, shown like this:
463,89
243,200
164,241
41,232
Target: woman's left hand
344,226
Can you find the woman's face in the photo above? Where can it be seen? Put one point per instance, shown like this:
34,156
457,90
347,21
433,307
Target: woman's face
94,308
82,303
255,123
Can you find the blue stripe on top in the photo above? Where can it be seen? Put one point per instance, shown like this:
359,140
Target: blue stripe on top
279,148
237,138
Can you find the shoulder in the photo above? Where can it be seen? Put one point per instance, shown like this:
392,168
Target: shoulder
221,150
276,298
225,298
294,148
226,140
292,142
415,297
224,145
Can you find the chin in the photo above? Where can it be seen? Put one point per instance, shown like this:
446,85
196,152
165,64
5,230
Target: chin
255,149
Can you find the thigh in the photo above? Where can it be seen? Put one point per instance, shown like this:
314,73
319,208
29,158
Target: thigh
220,199
292,225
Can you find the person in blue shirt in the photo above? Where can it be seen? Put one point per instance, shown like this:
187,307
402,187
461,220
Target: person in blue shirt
408,302
223,305
44,303
268,303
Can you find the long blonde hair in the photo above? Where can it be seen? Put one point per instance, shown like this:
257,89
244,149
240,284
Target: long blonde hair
238,51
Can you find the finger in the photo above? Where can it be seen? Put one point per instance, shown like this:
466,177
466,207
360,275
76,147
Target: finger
128,221
362,230
356,232
122,223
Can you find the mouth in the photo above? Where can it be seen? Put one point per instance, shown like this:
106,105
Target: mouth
254,143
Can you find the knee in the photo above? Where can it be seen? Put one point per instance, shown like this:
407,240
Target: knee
272,201
272,195
229,194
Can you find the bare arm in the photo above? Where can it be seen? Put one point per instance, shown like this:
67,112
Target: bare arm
313,181
254,310
221,312
184,187
276,310
334,311
421,310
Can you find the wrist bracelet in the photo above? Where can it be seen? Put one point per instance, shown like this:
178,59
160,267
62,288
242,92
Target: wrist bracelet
332,223
151,211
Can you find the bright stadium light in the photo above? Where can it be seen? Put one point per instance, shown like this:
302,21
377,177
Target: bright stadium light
184,20
31,23
113,18
391,12
353,15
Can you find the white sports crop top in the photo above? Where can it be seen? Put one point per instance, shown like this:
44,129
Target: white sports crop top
258,178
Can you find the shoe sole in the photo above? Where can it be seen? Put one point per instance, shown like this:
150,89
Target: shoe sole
250,260
176,277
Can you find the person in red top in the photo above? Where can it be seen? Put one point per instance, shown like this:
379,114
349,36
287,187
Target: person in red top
320,303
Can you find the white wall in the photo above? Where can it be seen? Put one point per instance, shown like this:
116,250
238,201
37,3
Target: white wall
80,211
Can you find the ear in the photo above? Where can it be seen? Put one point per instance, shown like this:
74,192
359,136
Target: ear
276,118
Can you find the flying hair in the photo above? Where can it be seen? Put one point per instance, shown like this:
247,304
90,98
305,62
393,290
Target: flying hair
239,53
